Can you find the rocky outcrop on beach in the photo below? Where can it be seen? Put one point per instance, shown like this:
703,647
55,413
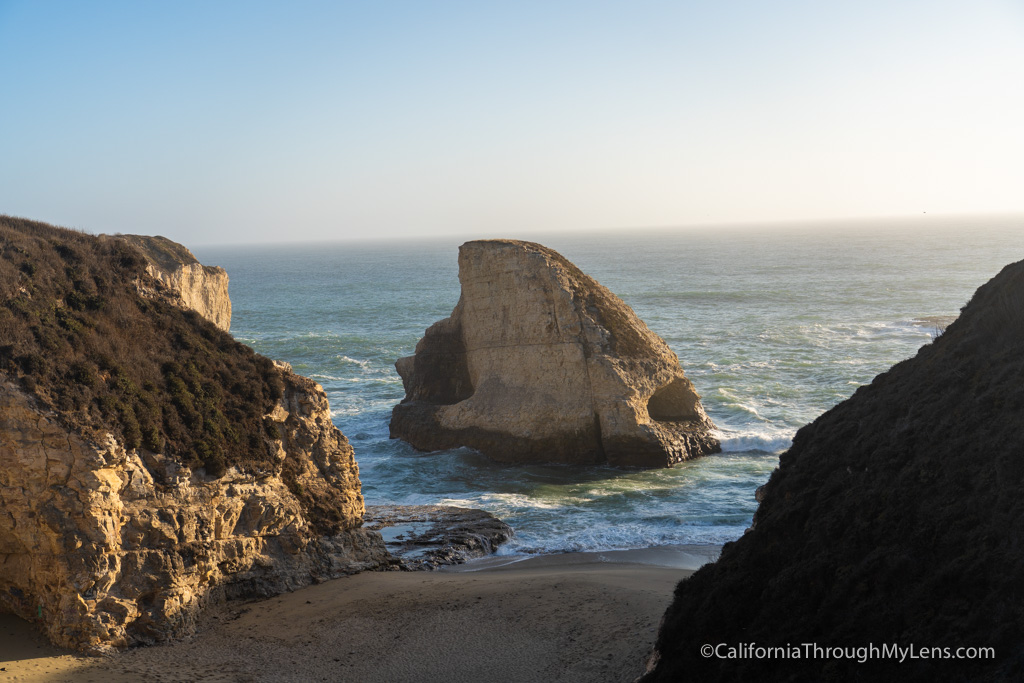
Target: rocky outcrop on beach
202,288
540,363
895,519
150,464
432,536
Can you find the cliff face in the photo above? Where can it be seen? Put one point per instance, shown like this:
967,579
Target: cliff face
895,518
539,362
102,554
136,481
204,289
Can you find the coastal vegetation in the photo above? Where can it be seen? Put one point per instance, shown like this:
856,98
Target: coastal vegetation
84,330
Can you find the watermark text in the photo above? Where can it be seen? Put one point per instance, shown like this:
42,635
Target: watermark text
860,654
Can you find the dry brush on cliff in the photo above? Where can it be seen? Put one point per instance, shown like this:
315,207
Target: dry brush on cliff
76,334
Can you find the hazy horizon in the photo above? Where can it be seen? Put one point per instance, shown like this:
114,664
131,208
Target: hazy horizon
246,123
931,225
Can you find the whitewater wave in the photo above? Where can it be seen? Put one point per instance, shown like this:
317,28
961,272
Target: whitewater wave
604,537
353,361
762,441
524,501
939,321
379,380
361,407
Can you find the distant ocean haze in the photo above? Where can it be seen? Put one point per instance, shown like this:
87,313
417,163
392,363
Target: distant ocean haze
774,325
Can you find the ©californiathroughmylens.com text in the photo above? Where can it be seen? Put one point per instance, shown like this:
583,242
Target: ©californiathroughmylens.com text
860,654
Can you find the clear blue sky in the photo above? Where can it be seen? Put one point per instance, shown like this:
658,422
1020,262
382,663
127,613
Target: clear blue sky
220,122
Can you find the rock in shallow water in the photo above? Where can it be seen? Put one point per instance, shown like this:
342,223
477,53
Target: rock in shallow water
430,536
540,363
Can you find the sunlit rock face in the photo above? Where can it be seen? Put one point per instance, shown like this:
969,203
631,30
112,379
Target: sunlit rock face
540,363
104,554
202,288
895,518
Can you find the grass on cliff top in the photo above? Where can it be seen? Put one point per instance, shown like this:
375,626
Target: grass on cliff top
164,253
75,333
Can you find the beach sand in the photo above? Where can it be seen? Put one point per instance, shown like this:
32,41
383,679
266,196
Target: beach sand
574,617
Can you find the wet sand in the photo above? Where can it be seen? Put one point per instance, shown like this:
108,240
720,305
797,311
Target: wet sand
577,617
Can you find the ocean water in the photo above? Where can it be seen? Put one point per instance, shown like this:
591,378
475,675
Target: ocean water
773,324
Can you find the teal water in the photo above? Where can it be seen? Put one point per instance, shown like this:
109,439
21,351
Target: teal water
774,325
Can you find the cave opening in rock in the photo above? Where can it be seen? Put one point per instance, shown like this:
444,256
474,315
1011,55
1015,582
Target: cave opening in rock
674,402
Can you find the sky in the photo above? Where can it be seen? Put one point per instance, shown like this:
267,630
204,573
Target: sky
246,122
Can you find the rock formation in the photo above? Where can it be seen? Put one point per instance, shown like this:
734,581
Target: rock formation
430,536
895,518
540,363
148,462
203,289
103,554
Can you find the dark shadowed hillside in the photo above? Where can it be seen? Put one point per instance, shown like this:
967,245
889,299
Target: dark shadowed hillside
896,517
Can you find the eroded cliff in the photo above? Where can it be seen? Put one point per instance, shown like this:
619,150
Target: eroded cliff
108,547
896,518
148,462
202,288
539,362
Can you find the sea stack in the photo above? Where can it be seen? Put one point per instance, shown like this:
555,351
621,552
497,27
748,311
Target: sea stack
149,463
540,363
895,519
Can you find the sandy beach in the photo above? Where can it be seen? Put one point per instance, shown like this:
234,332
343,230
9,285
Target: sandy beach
575,617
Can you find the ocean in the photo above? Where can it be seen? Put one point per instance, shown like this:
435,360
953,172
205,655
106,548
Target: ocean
774,324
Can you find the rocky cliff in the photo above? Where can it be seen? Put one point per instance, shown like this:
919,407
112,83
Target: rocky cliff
895,518
148,462
203,289
539,362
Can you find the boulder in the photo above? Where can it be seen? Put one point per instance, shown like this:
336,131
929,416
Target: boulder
540,363
894,520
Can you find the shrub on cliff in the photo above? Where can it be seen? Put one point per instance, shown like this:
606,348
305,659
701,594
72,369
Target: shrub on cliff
77,334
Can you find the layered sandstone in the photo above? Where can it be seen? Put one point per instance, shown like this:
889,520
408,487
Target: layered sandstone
540,363
896,518
202,288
